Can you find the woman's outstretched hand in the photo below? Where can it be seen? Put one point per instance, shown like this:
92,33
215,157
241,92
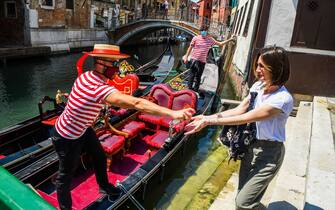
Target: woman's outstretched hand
197,124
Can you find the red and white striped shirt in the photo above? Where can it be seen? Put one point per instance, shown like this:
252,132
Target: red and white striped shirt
200,47
83,105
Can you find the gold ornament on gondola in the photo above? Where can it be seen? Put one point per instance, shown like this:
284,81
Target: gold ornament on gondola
177,84
125,68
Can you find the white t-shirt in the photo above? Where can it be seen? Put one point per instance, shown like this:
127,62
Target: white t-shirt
166,5
273,128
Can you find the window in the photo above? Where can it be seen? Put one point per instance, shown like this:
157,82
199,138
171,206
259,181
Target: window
242,20
69,4
239,20
47,4
236,17
314,25
247,22
10,9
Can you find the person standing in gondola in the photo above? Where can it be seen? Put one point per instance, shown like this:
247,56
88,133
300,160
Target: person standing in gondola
272,106
73,132
198,49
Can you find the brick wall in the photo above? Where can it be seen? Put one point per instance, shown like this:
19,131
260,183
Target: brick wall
240,89
60,17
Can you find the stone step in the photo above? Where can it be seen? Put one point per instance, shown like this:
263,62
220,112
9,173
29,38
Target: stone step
226,198
288,191
321,169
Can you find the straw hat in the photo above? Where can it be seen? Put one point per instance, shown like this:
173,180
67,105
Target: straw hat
107,51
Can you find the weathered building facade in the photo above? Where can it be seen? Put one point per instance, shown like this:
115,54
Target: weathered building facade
13,23
60,24
302,27
59,14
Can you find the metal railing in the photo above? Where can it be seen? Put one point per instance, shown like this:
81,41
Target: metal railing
215,28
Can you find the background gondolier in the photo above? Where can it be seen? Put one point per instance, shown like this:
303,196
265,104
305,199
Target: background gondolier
198,50
73,132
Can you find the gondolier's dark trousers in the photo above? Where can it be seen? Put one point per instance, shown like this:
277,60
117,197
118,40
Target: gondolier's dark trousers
196,70
69,151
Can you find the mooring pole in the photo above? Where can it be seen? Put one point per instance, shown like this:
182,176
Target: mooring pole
224,65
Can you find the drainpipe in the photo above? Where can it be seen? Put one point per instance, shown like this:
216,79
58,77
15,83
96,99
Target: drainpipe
26,25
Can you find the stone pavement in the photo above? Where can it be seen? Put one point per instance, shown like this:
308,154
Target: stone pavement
307,177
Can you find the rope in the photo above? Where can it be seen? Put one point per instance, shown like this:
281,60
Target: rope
129,195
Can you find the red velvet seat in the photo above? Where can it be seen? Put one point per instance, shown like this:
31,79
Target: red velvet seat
175,100
51,121
154,119
133,128
157,139
111,145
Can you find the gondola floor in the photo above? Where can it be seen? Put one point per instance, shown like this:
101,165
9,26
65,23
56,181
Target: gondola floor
85,189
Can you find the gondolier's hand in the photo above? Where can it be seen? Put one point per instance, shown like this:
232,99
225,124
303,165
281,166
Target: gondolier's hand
185,59
196,125
183,114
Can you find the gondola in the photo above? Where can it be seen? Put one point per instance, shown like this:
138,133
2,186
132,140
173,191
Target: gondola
25,142
151,149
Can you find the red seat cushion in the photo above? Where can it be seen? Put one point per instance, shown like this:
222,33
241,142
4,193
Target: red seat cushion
51,121
175,100
157,140
154,119
113,144
165,121
133,128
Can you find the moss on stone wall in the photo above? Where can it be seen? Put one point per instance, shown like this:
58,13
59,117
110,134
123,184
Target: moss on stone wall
211,189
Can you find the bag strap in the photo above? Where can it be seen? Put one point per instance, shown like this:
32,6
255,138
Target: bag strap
252,126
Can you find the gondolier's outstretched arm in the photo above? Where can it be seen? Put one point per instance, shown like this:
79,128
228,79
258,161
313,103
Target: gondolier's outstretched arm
130,102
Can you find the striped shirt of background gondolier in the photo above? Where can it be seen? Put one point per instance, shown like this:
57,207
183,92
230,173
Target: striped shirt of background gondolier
83,106
200,47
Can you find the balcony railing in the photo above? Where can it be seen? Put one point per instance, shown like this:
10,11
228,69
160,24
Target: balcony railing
215,28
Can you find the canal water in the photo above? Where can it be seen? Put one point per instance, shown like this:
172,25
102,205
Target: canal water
24,82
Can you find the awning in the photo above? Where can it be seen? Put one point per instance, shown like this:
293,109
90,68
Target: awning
196,1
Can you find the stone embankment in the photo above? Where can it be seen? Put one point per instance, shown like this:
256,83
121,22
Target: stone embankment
307,177
21,52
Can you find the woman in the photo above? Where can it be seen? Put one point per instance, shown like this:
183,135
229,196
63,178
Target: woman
273,105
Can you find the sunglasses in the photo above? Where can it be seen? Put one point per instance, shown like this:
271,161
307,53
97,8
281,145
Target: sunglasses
261,66
113,63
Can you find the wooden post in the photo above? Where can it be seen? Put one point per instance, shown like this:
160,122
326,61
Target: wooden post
224,66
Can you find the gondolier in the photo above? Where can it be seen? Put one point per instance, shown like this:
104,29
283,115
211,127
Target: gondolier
73,131
198,50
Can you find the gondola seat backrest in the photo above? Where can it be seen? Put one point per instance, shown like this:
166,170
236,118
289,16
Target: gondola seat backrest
127,84
171,99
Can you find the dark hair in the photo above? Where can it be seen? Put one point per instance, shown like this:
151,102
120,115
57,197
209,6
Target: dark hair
203,28
276,60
